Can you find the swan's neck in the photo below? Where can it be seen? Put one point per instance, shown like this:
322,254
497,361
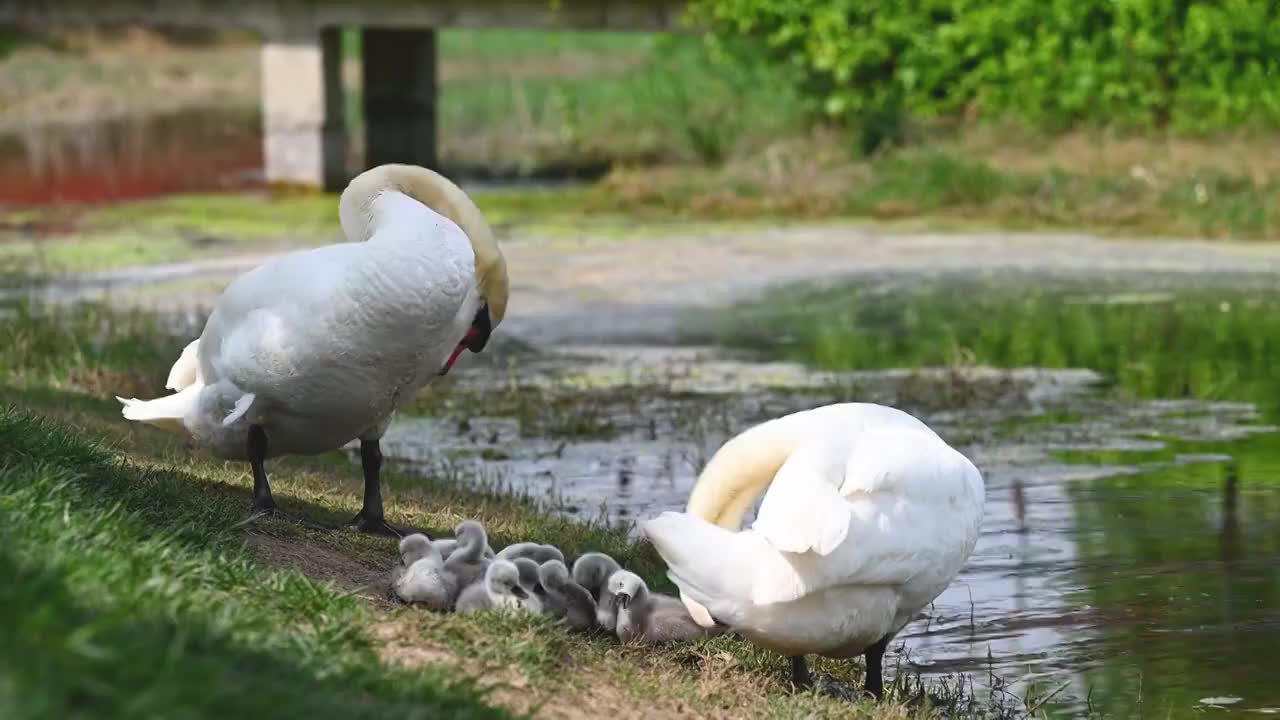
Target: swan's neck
391,210
740,472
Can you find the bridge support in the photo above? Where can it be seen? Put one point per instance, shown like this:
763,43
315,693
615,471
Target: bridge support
399,70
304,138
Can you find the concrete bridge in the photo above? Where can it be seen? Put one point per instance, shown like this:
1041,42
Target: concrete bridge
304,135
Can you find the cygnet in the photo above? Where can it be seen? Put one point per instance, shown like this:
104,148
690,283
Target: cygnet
528,570
499,589
565,599
536,552
449,545
422,577
592,571
644,617
468,562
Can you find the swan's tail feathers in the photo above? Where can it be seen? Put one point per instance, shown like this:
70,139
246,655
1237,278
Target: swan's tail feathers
186,371
706,562
166,412
238,411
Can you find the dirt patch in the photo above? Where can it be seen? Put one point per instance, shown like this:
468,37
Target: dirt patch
321,563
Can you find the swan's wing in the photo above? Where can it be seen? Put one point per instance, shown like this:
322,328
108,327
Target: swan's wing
186,371
803,510
908,502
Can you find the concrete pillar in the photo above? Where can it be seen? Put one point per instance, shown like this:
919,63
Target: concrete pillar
399,70
304,138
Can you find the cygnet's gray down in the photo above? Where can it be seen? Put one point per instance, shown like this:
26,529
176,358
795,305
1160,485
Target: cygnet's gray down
534,551
500,588
448,545
468,563
592,571
422,577
566,600
644,617
528,570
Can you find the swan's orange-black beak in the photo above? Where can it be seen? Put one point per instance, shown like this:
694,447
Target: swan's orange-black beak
476,338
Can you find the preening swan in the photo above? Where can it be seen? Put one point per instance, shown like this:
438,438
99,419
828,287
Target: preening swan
867,516
317,348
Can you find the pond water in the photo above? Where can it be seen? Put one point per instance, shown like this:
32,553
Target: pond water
1130,556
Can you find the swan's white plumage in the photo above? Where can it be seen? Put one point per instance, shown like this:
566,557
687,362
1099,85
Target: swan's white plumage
868,517
320,346
186,371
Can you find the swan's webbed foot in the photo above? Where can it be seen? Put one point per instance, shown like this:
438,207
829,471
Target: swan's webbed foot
364,523
269,510
840,691
804,680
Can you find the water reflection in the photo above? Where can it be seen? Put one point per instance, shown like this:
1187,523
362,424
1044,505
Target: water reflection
131,157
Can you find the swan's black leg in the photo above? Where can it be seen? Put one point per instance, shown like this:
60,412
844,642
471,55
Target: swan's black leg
264,505
257,446
800,676
874,656
370,519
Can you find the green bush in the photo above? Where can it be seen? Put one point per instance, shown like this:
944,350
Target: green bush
1186,64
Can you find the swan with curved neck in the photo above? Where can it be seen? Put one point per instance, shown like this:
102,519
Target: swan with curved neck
317,348
867,516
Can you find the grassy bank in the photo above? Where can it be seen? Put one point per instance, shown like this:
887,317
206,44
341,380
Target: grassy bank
139,595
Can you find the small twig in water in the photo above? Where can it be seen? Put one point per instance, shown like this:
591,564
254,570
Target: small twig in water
1047,698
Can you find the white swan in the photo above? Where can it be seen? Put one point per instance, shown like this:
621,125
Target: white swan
317,348
867,517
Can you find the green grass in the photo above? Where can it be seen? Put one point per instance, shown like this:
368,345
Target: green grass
127,598
138,593
520,101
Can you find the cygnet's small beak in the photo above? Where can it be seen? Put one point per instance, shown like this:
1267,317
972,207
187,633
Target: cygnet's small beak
519,592
621,600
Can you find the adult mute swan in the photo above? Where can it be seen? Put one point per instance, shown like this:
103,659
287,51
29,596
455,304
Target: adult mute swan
867,516
317,348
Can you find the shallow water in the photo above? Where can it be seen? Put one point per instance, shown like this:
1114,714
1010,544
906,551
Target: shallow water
1130,555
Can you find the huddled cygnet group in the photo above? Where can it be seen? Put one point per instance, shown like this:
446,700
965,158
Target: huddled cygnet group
463,574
